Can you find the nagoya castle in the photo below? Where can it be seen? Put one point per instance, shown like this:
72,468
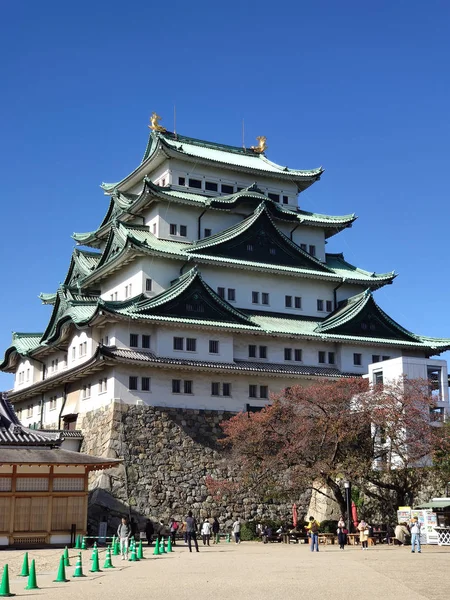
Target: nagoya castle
206,286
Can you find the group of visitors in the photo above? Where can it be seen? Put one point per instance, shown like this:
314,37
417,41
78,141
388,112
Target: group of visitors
403,533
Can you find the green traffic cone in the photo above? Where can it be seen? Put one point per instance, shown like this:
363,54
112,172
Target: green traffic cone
169,545
116,547
228,538
25,569
133,557
156,550
78,568
61,577
32,583
94,550
4,586
113,541
83,544
140,551
78,543
66,557
95,565
108,563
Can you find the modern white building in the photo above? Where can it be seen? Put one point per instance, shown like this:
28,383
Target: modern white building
205,286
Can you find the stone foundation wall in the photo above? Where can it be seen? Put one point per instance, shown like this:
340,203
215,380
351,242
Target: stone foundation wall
168,454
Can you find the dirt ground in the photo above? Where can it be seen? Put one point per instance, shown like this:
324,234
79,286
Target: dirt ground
248,570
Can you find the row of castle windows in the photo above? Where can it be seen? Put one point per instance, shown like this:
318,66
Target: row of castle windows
186,386
224,188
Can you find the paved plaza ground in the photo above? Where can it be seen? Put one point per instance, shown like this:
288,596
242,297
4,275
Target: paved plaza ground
249,570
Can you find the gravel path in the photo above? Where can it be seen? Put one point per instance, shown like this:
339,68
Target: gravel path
246,571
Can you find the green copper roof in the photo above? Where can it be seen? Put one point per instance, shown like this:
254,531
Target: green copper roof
48,298
223,154
165,144
82,264
125,237
22,344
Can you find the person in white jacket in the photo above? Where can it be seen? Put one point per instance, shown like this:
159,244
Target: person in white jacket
415,535
206,532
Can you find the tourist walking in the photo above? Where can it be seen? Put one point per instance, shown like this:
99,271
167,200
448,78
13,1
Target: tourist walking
173,526
363,529
341,533
313,532
124,533
191,531
206,532
215,530
149,531
236,531
415,535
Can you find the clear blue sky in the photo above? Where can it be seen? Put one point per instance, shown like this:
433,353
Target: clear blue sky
360,88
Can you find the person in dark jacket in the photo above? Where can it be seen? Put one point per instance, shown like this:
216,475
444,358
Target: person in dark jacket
191,530
216,530
149,531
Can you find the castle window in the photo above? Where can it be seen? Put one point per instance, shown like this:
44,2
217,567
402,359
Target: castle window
312,250
210,186
195,183
154,228
386,357
303,247
331,358
173,229
263,352
215,388
191,345
145,384
207,232
148,285
321,357
287,354
231,295
86,391
255,297
146,341
375,358
285,200
227,189
181,181
74,350
298,354
195,307
252,351
221,292
329,306
134,340
178,343
263,391
252,391
288,301
187,386
274,197
320,305
83,349
264,298
272,251
357,359
249,247
29,410
183,230
102,385
52,403
226,389
213,346
176,386
298,302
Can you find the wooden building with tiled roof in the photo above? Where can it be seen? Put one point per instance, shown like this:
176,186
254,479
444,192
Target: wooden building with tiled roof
43,487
